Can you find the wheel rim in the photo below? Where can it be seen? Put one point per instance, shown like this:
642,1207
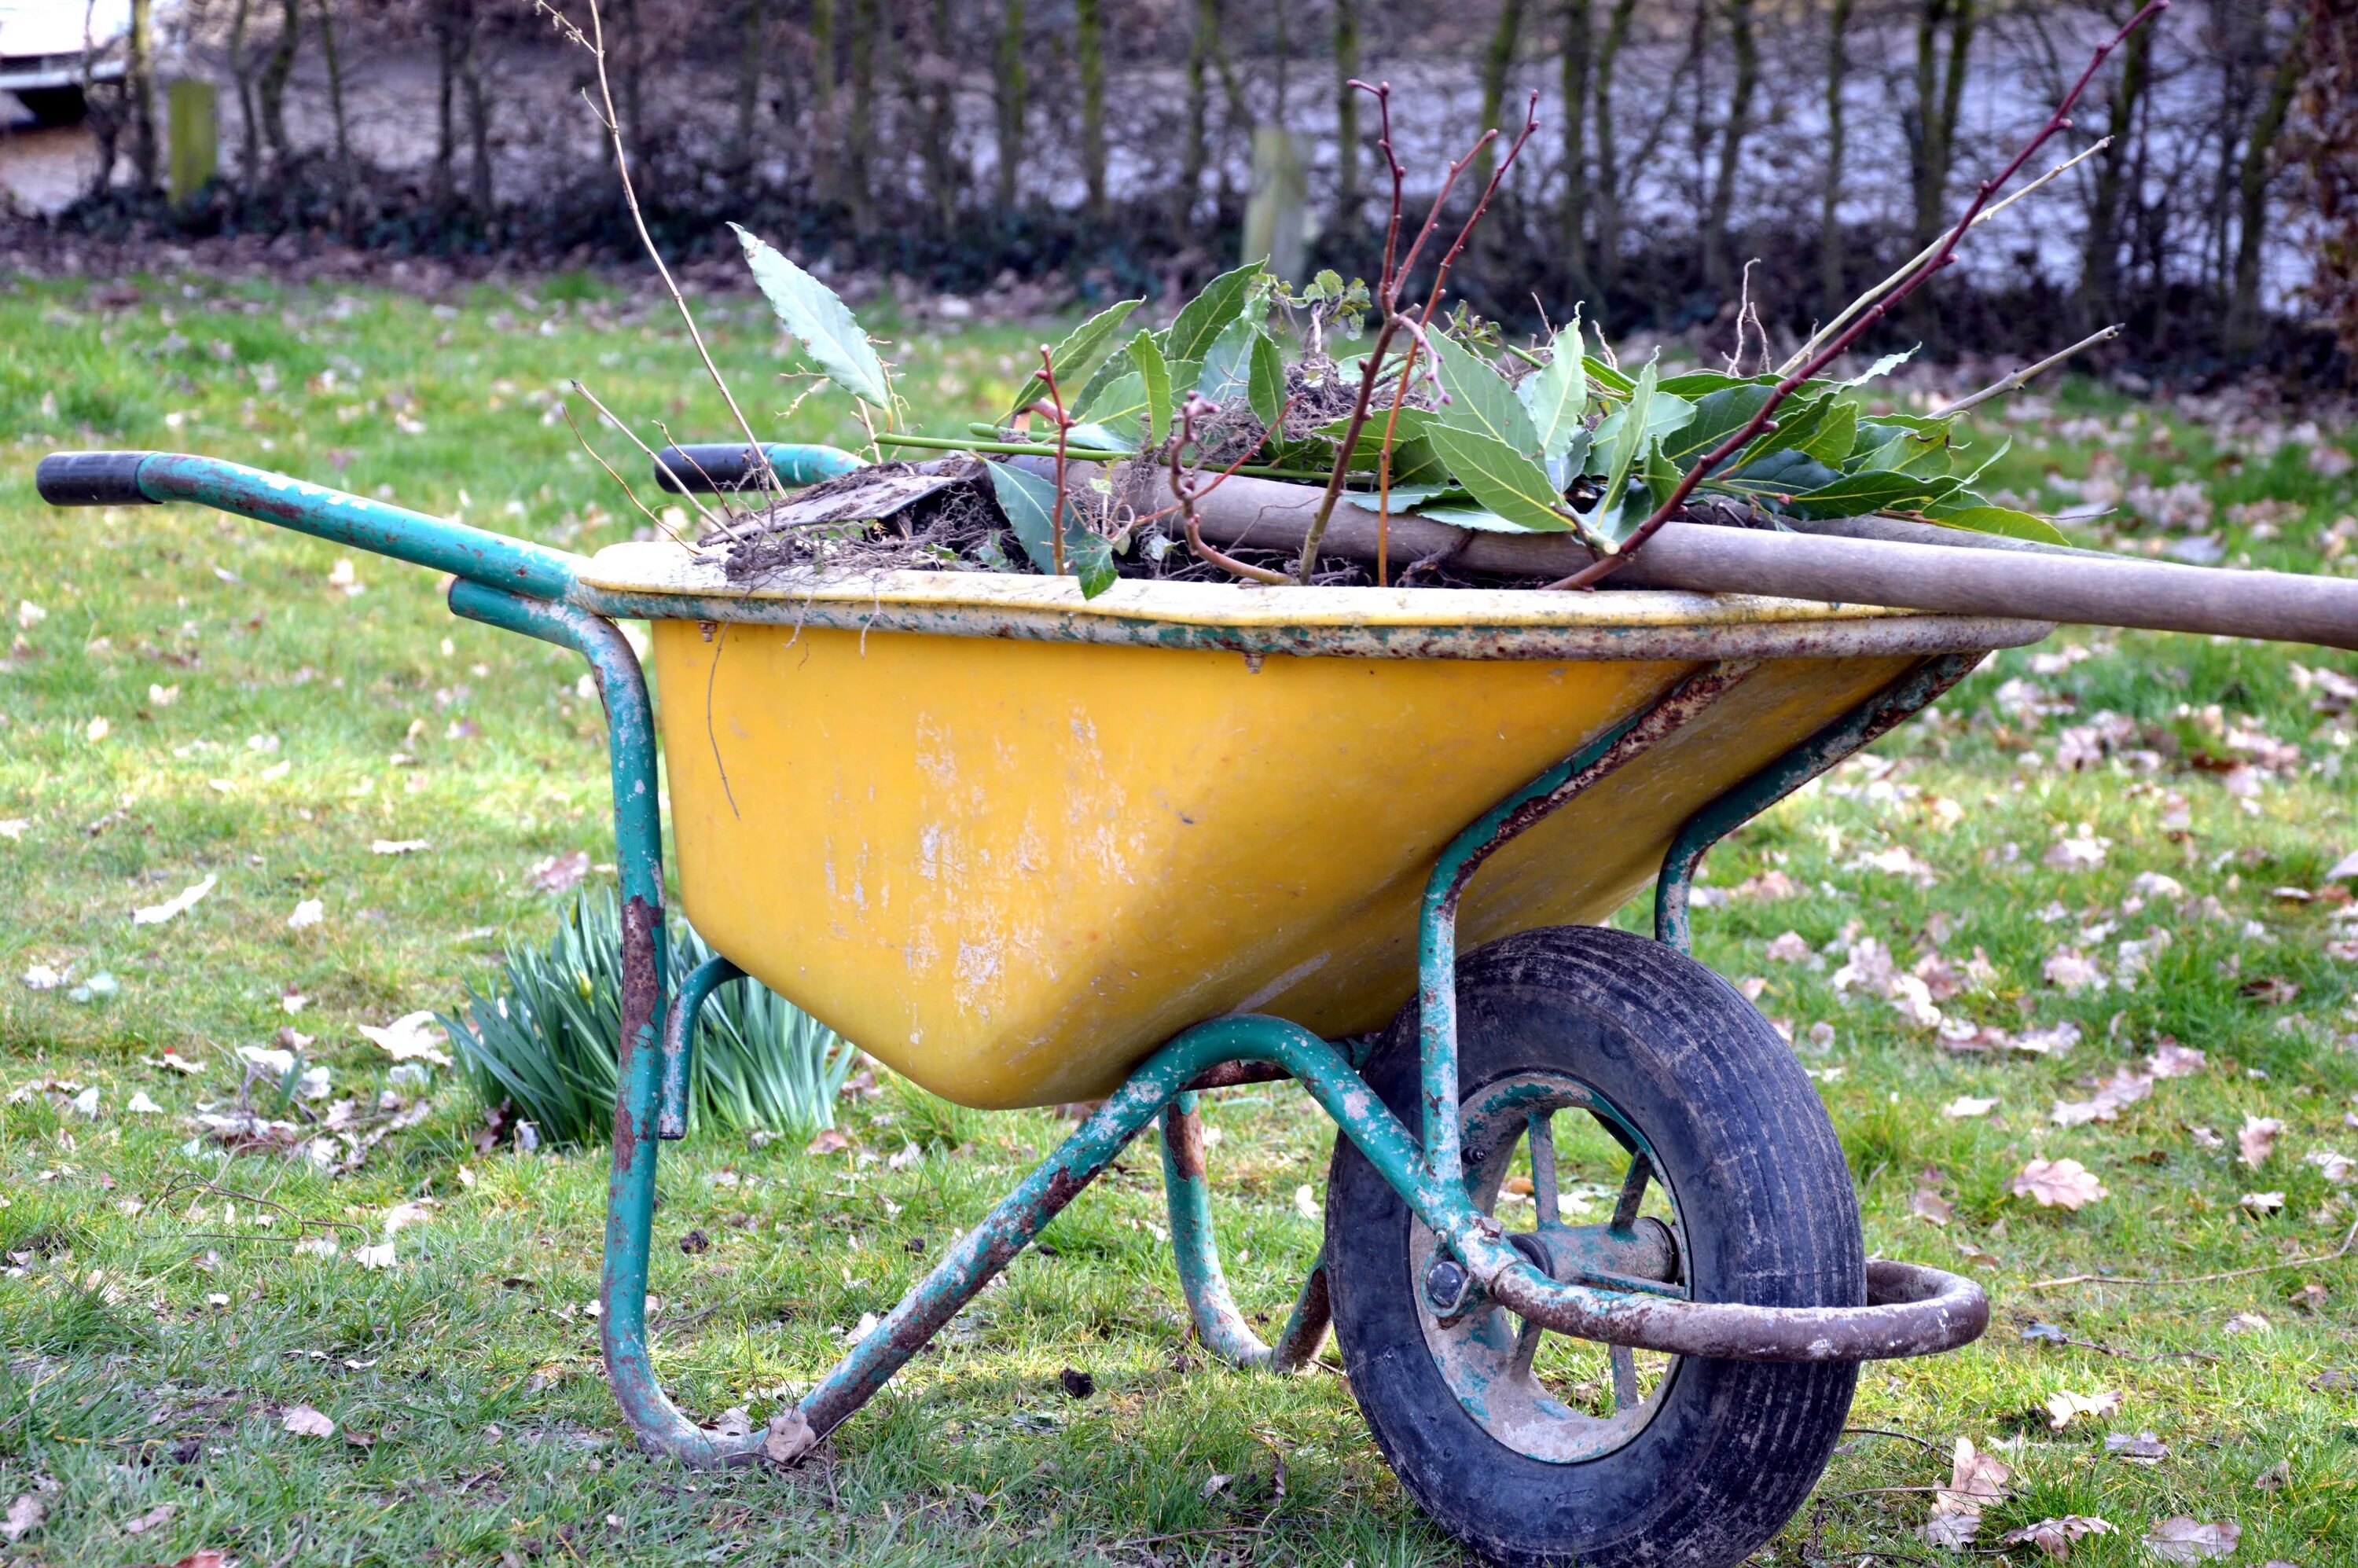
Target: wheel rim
1548,1396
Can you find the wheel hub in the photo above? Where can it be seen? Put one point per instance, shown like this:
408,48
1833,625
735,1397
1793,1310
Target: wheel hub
1543,1395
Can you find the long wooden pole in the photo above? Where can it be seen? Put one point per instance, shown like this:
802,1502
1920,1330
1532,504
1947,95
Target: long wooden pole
1910,565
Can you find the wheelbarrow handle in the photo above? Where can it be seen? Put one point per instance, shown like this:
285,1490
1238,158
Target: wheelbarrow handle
134,478
706,468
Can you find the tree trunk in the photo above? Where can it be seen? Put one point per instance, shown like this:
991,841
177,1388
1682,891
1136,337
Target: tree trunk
329,58
2252,188
1009,85
944,172
1577,47
1932,121
752,39
1088,54
2100,271
1496,64
241,70
446,87
629,68
1348,161
478,113
867,32
1194,152
1608,165
825,143
2329,145
272,90
1831,293
140,89
1716,238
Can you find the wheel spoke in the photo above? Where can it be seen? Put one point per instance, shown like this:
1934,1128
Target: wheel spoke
1625,1377
1633,1191
1541,1129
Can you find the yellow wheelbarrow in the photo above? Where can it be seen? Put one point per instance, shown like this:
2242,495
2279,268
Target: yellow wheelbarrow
1027,849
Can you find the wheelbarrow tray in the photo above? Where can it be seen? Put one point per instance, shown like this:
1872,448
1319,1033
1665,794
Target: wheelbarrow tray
1012,859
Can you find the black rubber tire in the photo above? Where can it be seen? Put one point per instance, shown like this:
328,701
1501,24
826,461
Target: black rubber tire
1769,1215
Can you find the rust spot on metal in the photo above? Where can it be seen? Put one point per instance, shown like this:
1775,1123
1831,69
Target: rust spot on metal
642,994
1183,1134
1236,1074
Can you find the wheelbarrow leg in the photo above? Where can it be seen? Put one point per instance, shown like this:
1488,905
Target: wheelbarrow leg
638,842
1197,1248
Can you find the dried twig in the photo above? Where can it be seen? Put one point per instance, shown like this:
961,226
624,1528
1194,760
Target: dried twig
2028,373
1818,338
631,436
1394,277
595,42
1940,256
2348,1239
669,532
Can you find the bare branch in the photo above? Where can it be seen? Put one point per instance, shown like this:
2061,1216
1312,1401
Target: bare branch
669,532
2024,376
1942,255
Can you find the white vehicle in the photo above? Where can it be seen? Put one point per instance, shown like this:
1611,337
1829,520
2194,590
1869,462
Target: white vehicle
52,50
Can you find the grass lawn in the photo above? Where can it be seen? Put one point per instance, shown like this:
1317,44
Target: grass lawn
2101,831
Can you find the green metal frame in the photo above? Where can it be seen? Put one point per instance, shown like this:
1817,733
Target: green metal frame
520,586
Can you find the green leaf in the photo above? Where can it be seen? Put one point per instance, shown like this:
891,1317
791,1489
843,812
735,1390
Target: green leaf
1265,381
1856,495
820,321
1076,356
1902,450
1717,415
1415,460
1777,477
1824,429
1500,477
1118,406
1227,375
1091,436
1471,518
1983,518
1111,369
1210,313
1556,394
1479,397
1663,415
1606,377
1027,499
1154,373
1701,384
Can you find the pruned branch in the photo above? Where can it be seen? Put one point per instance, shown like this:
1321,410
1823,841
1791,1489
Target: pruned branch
1940,257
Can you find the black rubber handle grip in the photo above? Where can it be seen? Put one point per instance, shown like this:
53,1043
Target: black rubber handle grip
706,468
92,478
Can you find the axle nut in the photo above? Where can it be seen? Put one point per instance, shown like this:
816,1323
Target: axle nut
1445,1284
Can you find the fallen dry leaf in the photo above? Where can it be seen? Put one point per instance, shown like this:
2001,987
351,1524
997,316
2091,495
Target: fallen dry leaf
305,1422
2183,1539
1970,1105
310,911
2057,1184
2171,1060
1928,1205
2142,1446
2064,1407
2262,1203
559,873
2270,990
2335,1167
2073,972
23,1517
413,1036
174,907
1788,948
1977,1481
828,1142
2257,1140
2055,1536
2122,1088
2247,1323
398,846
161,1514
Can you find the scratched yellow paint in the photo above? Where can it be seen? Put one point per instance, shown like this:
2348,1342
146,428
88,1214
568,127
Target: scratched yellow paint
1010,870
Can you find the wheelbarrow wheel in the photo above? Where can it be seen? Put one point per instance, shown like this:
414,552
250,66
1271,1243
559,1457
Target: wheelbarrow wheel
1587,1053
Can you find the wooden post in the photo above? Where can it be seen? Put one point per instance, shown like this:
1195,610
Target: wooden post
194,115
1277,214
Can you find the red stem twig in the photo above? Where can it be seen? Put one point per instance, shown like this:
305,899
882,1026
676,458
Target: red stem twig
2059,121
1183,486
1394,277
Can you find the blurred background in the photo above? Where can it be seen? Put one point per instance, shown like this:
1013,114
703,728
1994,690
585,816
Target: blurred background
1009,156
